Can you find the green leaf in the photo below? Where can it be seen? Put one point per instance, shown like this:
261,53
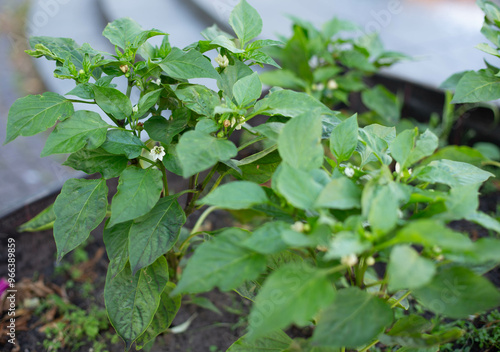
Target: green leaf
116,242
231,75
127,33
383,102
246,22
225,42
457,293
275,341
83,129
83,90
346,243
357,60
426,144
155,233
340,193
199,98
283,78
430,233
138,192
223,262
79,208
452,173
345,323
43,221
408,270
406,152
299,143
132,300
261,57
344,139
461,153
113,102
185,65
98,160
162,130
167,310
451,82
267,239
197,151
247,90
291,104
381,208
297,186
36,113
123,143
262,43
236,195
476,87
484,220
335,25
147,101
292,294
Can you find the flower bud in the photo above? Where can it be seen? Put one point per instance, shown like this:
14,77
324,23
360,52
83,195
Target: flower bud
370,261
81,72
223,61
349,260
220,134
124,68
349,172
298,226
227,123
332,84
135,108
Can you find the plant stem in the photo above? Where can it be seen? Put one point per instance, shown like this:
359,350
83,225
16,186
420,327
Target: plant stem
129,88
146,159
369,346
255,140
165,181
190,208
194,231
81,101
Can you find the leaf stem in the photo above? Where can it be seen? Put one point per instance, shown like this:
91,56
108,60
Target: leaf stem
255,140
369,346
81,101
190,208
194,231
400,299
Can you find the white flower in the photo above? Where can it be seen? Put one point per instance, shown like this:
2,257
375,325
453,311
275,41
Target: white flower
135,108
397,168
349,172
319,86
157,153
298,226
332,84
241,122
223,61
157,81
349,260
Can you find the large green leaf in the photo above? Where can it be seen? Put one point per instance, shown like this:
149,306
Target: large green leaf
113,102
275,341
380,205
460,153
292,294
83,129
344,138
247,90
223,262
155,233
185,65
477,86
132,300
406,151
116,242
123,143
199,98
236,195
340,193
457,292
197,151
126,33
147,101
162,130
35,113
267,239
43,221
291,104
167,310
79,208
97,160
246,22
452,173
299,143
355,318
408,270
297,186
138,192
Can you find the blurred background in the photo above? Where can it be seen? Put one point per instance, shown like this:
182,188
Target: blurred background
440,36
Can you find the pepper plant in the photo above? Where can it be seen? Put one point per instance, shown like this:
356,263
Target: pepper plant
350,223
332,64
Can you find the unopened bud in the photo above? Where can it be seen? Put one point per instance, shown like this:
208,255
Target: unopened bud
349,260
370,261
223,61
332,84
140,126
319,86
81,72
220,134
135,109
349,172
124,68
298,226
